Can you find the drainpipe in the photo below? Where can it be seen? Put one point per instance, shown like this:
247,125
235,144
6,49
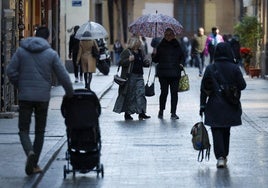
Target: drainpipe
124,3
111,20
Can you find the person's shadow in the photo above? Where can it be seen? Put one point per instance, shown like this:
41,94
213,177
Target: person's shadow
220,178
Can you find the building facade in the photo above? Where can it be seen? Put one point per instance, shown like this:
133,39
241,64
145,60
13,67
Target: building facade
259,8
191,13
19,19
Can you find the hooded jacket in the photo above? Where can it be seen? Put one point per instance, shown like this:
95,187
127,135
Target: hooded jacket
218,112
31,69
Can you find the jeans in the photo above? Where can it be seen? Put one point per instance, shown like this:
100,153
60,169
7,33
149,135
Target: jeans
221,141
117,57
165,83
26,109
199,61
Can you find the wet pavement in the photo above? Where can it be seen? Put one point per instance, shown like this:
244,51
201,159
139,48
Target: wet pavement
150,153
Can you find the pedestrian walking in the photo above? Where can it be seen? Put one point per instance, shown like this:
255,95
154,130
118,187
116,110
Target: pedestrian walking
186,48
219,113
30,71
73,51
235,44
212,40
198,48
169,59
131,97
86,55
118,48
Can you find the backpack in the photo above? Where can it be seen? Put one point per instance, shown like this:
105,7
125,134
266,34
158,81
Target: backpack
200,140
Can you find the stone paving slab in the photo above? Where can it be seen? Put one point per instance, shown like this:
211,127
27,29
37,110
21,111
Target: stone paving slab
158,153
151,153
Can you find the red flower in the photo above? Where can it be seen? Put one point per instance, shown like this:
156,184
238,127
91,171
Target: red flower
246,53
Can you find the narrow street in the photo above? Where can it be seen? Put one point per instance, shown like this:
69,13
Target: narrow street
158,153
151,153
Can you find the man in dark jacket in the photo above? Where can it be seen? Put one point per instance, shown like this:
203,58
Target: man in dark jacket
73,51
30,71
169,58
220,114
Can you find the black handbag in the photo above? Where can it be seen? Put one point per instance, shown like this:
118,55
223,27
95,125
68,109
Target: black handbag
149,89
120,81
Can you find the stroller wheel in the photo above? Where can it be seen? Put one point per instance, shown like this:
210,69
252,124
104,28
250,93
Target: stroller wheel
99,169
73,172
67,155
64,171
102,170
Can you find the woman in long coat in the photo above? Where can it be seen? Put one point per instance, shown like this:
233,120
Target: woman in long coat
219,113
131,97
88,62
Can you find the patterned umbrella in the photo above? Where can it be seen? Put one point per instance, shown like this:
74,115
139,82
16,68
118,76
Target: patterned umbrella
91,30
154,25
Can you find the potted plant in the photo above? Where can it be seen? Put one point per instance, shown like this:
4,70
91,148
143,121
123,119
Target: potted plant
250,33
246,54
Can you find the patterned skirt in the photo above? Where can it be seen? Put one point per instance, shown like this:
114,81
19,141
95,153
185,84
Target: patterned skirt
131,98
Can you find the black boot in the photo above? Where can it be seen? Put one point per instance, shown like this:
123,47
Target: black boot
85,78
160,114
88,78
128,117
143,116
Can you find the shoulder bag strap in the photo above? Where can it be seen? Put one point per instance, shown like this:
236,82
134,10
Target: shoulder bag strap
150,74
118,67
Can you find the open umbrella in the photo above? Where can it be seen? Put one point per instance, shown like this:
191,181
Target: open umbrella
154,25
95,30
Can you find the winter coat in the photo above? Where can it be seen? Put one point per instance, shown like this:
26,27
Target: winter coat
73,45
31,68
88,62
198,44
211,42
169,56
125,63
218,112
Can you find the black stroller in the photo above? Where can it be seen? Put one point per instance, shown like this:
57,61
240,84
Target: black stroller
81,113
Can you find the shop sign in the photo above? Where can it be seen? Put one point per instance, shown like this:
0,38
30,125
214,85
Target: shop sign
76,3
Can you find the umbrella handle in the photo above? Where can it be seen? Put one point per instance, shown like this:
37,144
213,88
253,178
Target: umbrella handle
155,29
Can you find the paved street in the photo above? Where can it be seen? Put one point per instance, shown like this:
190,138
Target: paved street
151,153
